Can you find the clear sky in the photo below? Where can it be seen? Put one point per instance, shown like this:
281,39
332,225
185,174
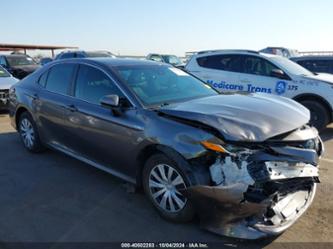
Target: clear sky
137,27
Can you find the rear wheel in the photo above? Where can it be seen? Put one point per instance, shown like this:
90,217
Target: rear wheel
28,133
163,181
319,113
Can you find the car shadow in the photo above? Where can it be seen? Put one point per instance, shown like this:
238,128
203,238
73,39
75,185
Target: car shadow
3,113
327,134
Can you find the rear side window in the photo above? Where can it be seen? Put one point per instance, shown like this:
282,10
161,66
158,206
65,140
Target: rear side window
59,78
92,84
230,63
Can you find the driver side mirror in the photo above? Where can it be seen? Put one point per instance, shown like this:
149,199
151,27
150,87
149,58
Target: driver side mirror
278,73
112,102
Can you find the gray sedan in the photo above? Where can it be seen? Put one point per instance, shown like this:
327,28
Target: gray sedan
246,164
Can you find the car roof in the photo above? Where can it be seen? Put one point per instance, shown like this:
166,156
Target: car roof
79,50
161,54
217,51
111,62
108,61
71,51
234,51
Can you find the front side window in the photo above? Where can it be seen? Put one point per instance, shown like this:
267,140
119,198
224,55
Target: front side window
230,62
160,85
290,66
258,66
92,84
59,78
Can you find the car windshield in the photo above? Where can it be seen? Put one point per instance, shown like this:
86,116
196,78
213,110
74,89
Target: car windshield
3,73
291,66
20,61
171,59
162,85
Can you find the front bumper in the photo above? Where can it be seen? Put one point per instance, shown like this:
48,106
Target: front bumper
224,211
259,196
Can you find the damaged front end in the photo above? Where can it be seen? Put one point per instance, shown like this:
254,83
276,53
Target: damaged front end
259,189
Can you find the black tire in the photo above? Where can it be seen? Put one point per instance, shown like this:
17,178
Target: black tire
186,213
319,113
36,145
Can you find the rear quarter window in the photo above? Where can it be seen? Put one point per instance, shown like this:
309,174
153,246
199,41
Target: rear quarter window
59,78
230,63
42,79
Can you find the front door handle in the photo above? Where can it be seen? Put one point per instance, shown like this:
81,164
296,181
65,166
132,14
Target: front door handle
71,108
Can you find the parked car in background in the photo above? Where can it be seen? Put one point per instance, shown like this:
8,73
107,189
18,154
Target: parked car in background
83,54
6,81
251,71
245,163
43,61
316,64
19,65
166,58
285,52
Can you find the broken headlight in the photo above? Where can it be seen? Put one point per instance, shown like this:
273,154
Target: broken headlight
223,148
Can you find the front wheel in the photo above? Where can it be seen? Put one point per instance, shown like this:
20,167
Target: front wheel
319,114
163,181
28,133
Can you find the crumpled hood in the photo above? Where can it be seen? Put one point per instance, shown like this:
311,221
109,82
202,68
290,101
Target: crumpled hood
7,82
243,117
328,78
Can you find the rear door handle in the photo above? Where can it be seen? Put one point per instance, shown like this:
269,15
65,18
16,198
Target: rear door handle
71,108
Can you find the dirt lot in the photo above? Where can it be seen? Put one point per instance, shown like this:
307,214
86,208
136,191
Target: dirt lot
52,198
